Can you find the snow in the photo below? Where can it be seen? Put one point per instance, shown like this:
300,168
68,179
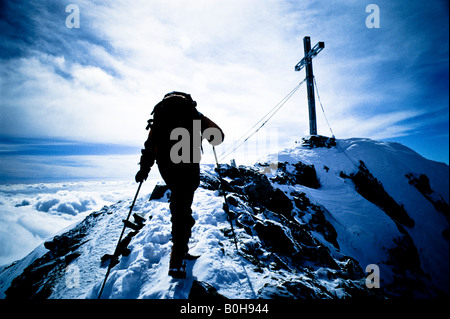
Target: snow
143,274
9,272
365,232
357,220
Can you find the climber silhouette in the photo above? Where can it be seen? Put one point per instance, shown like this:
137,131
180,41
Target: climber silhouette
174,141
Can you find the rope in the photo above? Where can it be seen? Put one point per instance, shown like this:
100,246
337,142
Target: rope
358,166
329,126
321,106
265,118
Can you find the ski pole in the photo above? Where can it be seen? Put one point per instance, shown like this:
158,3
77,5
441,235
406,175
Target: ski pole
120,239
227,210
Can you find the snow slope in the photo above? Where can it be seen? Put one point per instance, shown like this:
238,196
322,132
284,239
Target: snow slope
308,221
364,231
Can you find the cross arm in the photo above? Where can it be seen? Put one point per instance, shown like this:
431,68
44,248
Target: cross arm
311,54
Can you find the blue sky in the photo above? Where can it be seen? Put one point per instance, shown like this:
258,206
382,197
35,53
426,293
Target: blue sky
88,91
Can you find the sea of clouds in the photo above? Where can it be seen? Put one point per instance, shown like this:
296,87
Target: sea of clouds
32,213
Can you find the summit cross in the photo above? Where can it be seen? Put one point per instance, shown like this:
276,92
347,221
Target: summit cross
307,63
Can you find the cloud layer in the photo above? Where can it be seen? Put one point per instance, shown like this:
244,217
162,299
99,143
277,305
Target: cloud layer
31,213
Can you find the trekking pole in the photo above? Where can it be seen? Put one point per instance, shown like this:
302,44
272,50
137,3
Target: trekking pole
227,210
111,264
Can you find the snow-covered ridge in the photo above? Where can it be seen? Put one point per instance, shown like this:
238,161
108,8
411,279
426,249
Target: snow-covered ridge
308,221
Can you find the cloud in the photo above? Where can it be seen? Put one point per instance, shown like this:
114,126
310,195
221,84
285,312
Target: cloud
31,213
22,229
34,169
16,242
64,202
99,83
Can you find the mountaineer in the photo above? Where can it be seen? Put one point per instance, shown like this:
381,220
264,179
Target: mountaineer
174,142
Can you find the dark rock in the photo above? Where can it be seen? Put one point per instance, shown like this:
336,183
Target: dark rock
70,257
209,181
203,291
372,190
37,280
275,236
315,141
257,187
270,291
351,268
296,174
159,191
405,262
306,175
278,202
301,291
318,221
422,184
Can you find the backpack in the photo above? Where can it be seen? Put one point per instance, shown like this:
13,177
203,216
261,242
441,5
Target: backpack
177,109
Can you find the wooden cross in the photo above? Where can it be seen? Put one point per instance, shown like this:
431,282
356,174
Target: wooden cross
307,61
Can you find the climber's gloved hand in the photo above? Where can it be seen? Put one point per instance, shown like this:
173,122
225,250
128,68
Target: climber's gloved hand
141,176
